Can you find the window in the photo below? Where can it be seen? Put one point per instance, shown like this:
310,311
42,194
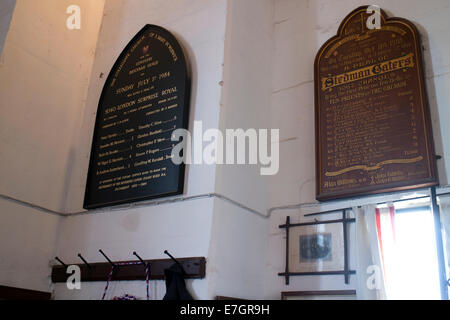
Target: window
409,253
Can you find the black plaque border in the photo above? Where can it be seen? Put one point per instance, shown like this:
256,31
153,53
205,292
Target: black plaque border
88,205
433,179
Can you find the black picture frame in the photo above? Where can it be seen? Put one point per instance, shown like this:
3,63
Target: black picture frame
346,272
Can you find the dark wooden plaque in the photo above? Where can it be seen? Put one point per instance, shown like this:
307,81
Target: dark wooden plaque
373,127
145,98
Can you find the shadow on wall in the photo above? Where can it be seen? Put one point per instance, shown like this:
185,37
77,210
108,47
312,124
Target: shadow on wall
432,97
191,62
433,103
78,162
6,13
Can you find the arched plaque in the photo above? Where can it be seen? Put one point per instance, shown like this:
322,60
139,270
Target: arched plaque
373,127
145,98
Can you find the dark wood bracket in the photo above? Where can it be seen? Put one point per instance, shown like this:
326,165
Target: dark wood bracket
194,268
19,294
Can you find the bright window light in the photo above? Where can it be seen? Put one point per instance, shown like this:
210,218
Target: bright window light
412,272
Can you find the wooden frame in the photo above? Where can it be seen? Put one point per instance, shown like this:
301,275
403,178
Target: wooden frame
223,298
346,272
361,185
10,293
304,294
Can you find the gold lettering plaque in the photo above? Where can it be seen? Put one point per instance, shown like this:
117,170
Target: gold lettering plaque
144,100
373,125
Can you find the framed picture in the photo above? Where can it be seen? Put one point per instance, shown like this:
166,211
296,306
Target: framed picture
319,295
317,248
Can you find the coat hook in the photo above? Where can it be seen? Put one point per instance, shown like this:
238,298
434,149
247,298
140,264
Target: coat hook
59,260
110,262
175,260
140,259
85,262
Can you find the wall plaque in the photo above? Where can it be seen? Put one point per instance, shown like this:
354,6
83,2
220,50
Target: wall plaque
373,127
145,98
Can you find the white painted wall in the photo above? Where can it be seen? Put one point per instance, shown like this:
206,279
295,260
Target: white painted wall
252,67
44,73
183,228
301,27
246,94
204,47
27,243
232,239
237,255
239,239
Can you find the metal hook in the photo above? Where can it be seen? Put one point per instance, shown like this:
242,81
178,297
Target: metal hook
175,260
140,259
59,260
110,262
85,262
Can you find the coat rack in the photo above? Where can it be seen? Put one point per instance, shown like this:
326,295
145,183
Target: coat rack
193,267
